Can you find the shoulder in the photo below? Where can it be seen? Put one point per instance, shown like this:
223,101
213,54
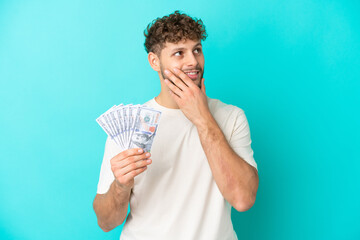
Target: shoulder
149,103
111,148
227,116
218,107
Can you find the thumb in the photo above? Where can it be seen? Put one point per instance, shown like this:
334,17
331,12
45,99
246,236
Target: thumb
203,86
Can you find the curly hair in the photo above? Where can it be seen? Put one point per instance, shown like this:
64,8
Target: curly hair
172,28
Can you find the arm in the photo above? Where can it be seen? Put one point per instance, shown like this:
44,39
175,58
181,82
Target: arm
237,180
111,207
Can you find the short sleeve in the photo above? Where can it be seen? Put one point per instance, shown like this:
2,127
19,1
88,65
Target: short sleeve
106,175
240,140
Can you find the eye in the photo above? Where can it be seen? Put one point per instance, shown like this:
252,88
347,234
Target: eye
178,53
197,50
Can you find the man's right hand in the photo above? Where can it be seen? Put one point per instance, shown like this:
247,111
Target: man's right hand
127,165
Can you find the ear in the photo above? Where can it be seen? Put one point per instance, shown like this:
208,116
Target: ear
154,61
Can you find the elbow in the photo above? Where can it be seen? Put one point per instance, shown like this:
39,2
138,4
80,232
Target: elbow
244,200
107,228
105,225
242,206
104,228
100,220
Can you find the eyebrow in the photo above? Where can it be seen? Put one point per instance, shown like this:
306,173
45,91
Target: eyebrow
181,48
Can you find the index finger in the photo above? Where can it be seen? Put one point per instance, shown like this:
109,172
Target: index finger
184,77
130,152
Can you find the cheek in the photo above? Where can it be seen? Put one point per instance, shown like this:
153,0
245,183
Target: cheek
178,65
202,62
172,65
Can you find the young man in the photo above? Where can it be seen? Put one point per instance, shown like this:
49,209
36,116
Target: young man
201,159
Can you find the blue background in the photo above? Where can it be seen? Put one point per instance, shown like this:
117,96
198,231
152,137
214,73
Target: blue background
293,66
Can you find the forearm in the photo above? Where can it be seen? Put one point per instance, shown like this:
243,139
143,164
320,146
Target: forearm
236,179
111,207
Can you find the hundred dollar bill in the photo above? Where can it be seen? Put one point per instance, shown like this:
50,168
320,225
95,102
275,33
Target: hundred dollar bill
130,126
133,112
147,120
119,121
115,123
105,122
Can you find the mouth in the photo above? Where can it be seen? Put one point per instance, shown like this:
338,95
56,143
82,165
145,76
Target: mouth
193,75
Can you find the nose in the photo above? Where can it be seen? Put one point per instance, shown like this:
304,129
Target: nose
191,60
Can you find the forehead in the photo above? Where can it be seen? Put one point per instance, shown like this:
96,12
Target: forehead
186,43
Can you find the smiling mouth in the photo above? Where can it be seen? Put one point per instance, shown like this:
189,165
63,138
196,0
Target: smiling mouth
193,74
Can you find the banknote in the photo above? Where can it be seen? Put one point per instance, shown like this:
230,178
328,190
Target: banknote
143,133
130,126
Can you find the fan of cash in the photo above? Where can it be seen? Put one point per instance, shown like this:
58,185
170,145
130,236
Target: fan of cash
130,126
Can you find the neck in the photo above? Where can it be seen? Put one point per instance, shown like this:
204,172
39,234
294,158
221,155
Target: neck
165,100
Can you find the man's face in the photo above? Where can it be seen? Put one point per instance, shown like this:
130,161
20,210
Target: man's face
185,55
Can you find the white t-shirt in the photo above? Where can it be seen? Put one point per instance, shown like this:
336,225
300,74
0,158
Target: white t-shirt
177,197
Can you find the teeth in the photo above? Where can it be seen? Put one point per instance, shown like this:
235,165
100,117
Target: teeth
192,73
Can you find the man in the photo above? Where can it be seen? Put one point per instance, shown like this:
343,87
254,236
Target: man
201,159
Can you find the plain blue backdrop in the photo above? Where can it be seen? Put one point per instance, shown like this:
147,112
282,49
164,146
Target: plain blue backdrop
292,66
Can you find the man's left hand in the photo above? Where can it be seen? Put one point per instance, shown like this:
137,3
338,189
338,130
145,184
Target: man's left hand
189,97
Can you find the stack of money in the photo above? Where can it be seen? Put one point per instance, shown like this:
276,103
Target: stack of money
130,126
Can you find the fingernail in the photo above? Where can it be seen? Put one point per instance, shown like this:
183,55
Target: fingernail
175,69
149,160
166,71
140,150
147,154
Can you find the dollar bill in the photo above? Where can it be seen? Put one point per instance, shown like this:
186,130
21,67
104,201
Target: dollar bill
130,126
145,127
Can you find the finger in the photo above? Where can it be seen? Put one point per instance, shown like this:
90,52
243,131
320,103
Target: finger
128,153
129,176
125,179
129,160
173,88
134,166
176,81
203,86
184,77
175,97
